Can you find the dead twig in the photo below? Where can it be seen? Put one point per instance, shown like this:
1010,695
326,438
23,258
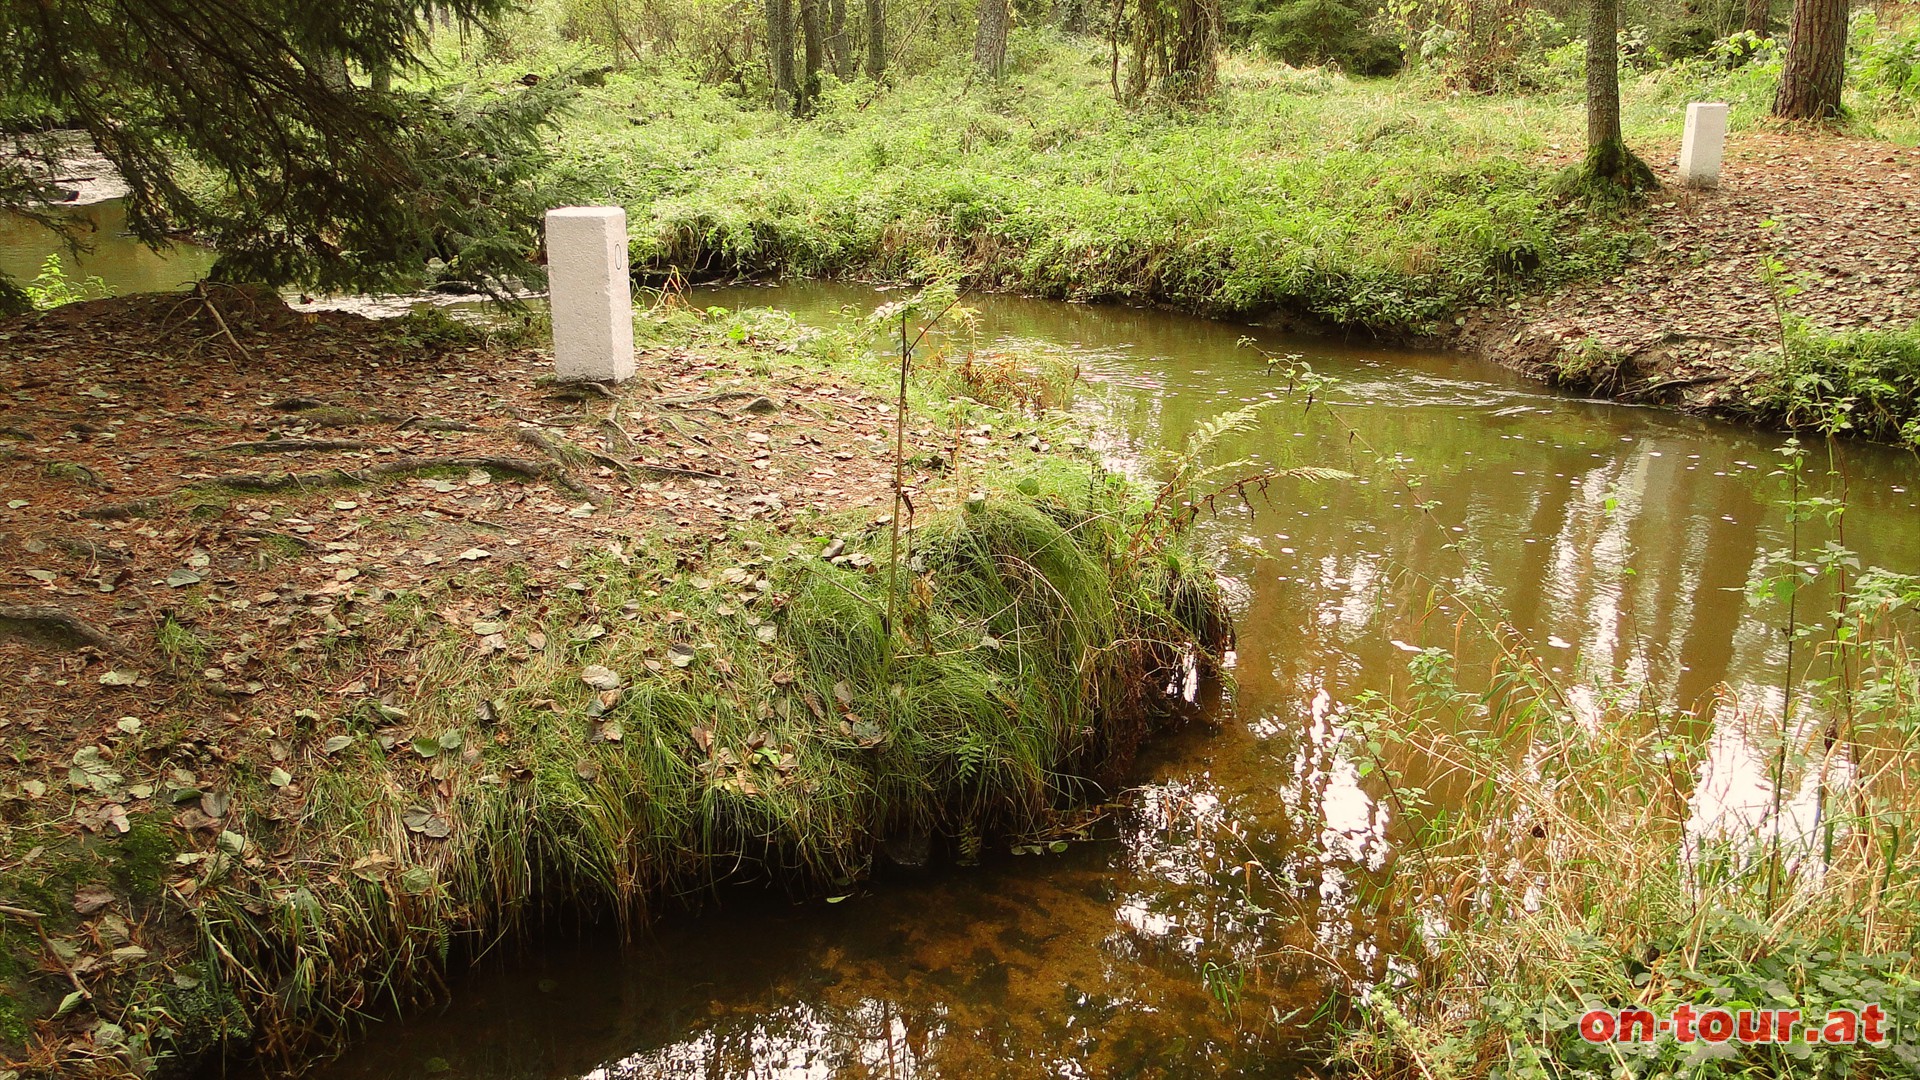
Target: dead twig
39,927
206,301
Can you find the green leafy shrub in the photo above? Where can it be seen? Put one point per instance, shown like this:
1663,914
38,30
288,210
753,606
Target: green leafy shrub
1310,33
54,287
1866,383
1886,64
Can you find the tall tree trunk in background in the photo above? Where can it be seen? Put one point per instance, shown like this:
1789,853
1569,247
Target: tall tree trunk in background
622,44
876,39
780,52
1173,45
1603,74
1816,61
839,45
333,72
1194,69
1759,18
990,40
1609,163
813,49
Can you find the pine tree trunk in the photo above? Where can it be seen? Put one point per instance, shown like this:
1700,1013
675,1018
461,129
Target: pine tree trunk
876,39
334,73
1603,75
813,49
1610,166
1816,62
990,42
1759,18
839,46
780,52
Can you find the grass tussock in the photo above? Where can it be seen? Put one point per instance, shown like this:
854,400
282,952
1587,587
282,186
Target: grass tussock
673,719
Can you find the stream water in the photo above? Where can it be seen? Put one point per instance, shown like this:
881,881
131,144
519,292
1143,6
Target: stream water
107,252
1618,540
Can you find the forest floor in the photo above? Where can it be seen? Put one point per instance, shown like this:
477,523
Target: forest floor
295,606
187,520
1682,324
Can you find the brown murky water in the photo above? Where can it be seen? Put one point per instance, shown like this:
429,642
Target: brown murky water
1618,540
107,252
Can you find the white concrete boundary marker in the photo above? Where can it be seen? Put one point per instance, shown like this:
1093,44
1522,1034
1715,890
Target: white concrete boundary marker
1702,144
590,293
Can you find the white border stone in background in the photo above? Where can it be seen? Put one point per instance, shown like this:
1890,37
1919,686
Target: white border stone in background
590,293
1703,143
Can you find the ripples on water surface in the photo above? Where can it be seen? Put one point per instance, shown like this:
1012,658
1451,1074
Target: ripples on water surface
1618,540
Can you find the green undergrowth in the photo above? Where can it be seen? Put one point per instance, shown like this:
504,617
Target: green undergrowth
1575,865
1389,204
673,717
1383,204
1863,382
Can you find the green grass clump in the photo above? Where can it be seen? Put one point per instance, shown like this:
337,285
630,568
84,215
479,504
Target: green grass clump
770,724
1864,382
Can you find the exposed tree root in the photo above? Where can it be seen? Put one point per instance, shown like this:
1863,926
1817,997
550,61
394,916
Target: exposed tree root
435,423
569,453
564,451
45,625
292,446
268,483
79,474
123,511
707,399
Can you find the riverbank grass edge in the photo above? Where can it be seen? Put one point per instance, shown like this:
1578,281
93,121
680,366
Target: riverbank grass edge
514,747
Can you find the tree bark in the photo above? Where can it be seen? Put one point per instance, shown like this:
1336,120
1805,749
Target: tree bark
812,47
1603,75
876,39
1195,68
780,52
333,72
1610,166
990,41
839,45
1816,62
1759,18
